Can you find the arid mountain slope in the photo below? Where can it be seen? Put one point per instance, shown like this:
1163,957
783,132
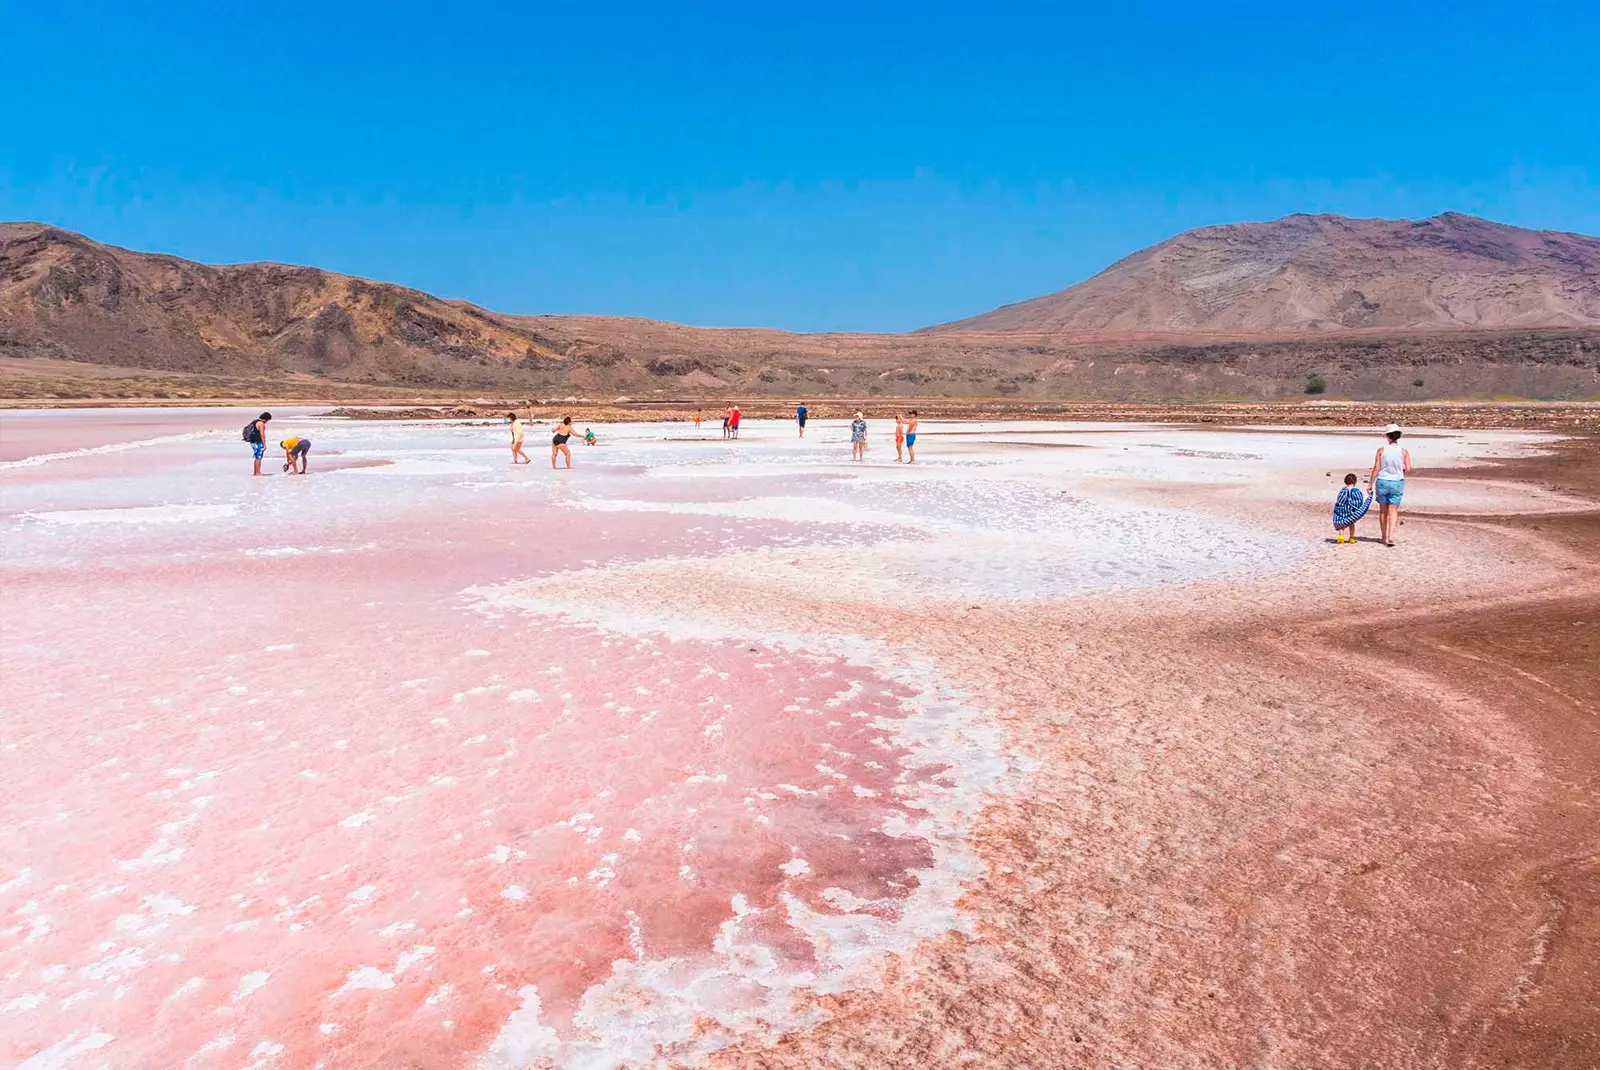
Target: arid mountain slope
64,295
66,300
1326,273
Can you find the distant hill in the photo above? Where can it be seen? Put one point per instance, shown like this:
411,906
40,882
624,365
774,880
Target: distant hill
1446,307
63,295
1325,273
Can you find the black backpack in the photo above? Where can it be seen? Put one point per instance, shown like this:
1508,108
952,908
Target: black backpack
252,433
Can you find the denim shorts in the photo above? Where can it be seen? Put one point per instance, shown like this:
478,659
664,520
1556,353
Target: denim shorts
1390,491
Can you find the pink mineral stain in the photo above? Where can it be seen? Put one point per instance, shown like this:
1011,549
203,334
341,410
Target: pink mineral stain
273,780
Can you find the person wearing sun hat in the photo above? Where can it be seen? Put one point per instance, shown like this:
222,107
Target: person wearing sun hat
1390,466
858,437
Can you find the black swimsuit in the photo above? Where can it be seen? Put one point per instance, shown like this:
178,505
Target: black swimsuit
559,439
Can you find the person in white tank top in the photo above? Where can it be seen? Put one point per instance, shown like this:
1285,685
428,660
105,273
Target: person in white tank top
1390,466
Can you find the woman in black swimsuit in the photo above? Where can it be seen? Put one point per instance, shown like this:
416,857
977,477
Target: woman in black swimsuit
558,443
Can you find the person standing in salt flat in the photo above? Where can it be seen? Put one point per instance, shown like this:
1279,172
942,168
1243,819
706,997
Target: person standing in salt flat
899,437
800,418
858,438
558,442
1390,466
255,433
911,437
734,416
517,431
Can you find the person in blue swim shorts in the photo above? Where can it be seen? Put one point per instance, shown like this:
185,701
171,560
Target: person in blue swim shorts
1390,466
911,437
255,433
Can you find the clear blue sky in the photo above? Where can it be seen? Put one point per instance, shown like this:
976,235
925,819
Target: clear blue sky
811,166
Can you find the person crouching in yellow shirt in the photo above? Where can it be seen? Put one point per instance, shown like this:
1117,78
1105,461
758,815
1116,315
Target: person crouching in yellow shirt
294,454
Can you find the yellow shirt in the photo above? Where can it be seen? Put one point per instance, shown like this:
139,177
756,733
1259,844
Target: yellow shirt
290,443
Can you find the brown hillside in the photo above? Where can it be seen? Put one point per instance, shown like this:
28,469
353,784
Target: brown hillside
174,328
1325,273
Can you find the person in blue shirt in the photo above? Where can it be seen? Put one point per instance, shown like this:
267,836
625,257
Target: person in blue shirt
1350,507
800,418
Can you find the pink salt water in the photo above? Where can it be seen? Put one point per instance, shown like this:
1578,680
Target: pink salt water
279,788
400,763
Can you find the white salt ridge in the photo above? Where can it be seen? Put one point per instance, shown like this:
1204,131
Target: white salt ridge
138,514
65,1053
366,978
652,1009
96,451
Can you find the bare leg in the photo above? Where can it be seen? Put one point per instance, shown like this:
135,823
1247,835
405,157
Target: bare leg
1394,522
899,449
912,450
553,451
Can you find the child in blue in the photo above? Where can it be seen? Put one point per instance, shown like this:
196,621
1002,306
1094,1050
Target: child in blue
1350,507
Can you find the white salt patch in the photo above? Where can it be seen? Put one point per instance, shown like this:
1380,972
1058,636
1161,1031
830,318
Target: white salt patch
355,821
193,984
363,893
327,1029
523,1039
796,867
249,983
500,855
438,995
62,1053
267,1049
844,899
24,1003
526,694
410,958
140,514
366,977
396,928
515,893
275,647
162,905
52,973
475,654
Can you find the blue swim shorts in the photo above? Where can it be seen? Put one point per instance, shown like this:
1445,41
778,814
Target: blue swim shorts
1390,491
258,450
911,439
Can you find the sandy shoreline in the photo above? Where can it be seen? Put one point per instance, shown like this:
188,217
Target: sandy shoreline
1335,820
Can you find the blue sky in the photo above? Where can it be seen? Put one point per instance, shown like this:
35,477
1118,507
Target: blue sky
816,167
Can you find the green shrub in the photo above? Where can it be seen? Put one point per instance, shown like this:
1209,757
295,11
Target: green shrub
1316,385
1416,382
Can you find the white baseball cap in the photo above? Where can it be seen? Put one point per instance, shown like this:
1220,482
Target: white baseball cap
1392,429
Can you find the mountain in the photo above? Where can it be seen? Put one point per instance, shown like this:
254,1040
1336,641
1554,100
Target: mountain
1324,273
62,294
1452,306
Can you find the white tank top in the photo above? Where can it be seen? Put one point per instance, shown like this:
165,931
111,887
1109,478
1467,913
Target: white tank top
1393,464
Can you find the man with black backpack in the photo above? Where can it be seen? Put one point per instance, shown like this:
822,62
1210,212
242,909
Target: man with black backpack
255,433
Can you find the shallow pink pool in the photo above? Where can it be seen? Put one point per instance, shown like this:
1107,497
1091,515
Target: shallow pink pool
279,789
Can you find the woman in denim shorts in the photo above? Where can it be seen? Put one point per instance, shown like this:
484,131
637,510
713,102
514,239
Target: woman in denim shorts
1390,466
